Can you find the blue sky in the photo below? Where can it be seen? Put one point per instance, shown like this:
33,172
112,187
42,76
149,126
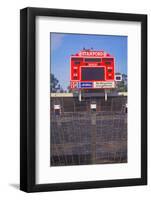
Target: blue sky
62,45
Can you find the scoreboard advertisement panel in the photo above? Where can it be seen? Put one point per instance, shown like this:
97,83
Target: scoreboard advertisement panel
92,70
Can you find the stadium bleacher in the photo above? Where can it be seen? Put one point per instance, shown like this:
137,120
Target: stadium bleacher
80,136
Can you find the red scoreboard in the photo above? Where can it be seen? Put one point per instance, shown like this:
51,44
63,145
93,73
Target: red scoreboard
91,69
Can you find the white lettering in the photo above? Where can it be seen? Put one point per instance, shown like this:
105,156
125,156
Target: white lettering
91,53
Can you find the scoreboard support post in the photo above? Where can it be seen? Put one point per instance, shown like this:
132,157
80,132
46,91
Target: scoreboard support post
80,95
105,95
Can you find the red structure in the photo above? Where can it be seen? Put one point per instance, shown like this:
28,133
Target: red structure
91,69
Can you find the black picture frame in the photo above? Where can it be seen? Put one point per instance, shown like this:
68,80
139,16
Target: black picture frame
28,99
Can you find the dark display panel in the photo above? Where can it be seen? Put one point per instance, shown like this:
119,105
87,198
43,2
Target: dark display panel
92,59
92,73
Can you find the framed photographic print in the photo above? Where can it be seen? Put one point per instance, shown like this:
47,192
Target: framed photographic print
83,99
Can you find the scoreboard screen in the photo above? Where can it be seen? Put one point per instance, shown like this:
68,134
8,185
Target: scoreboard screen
92,73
